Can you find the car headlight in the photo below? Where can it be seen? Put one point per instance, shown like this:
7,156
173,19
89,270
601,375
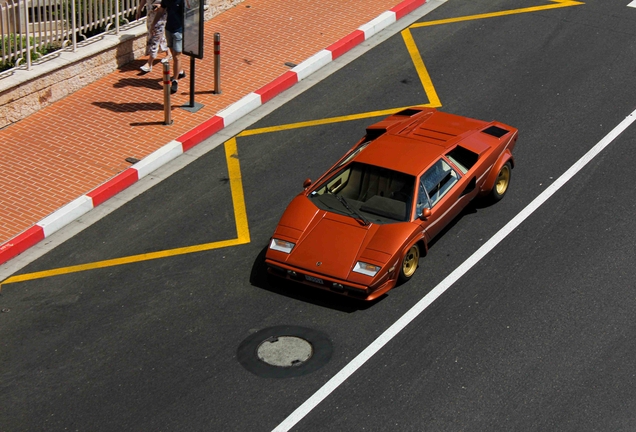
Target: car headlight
281,245
366,268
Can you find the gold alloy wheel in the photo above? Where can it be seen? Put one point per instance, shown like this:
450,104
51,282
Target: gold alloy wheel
503,180
409,265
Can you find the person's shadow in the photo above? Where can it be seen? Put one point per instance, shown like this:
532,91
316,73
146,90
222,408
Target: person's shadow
129,106
150,83
153,84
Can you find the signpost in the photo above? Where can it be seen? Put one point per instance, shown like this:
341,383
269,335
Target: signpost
193,42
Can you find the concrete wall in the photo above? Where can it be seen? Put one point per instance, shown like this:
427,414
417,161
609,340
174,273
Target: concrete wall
23,92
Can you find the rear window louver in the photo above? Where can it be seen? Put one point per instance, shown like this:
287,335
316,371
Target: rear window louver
495,131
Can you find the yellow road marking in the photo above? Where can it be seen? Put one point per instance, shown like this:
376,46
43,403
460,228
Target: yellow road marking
382,113
240,216
425,78
236,186
556,4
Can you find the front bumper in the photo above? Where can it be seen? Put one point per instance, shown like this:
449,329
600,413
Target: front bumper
327,283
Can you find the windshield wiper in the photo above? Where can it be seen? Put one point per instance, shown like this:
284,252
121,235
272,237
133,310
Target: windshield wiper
344,202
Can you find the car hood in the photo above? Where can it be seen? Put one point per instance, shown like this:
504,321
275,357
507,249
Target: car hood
331,244
331,247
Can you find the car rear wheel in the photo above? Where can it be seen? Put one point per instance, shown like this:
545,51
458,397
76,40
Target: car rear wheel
409,263
501,184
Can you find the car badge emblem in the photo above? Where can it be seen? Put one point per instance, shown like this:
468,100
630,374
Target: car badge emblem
318,263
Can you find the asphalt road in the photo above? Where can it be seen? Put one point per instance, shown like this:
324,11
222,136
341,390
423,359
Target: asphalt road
537,335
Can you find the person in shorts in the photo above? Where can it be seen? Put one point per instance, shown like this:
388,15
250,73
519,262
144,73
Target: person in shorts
156,39
174,36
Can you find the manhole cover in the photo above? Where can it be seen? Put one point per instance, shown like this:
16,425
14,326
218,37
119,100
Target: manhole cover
285,351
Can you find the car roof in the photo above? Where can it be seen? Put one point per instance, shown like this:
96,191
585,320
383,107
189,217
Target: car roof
402,154
413,139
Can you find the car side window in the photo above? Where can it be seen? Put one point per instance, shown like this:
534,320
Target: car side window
434,184
423,201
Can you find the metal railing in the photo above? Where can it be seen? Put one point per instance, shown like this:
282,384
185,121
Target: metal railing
31,29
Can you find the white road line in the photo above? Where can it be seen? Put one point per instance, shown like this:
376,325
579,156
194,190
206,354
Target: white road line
632,4
419,307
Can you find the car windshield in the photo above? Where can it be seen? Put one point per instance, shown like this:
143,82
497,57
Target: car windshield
367,193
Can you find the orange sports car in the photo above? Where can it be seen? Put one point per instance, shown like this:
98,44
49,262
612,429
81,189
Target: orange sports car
361,228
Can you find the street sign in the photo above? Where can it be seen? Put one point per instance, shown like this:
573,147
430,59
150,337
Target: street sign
193,28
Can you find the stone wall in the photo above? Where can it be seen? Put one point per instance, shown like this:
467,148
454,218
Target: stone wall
215,7
23,92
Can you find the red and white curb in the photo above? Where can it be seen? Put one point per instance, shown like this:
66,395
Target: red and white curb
222,119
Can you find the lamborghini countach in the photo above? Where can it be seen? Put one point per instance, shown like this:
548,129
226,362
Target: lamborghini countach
361,228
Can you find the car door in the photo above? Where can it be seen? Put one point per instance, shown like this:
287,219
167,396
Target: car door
445,192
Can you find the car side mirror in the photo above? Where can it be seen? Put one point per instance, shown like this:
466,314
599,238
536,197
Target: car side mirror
426,213
307,183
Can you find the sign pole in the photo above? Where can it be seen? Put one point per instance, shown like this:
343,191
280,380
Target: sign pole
193,30
192,75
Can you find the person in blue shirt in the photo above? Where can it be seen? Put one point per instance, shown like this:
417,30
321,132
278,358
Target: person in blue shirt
174,36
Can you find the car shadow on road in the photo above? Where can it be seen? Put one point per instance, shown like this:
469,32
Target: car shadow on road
473,207
260,278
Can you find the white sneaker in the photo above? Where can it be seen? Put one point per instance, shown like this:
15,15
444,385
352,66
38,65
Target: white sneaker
145,68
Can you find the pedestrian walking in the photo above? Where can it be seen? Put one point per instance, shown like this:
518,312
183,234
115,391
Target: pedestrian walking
173,9
156,40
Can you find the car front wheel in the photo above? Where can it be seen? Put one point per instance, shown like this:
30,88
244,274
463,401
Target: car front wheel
501,184
409,263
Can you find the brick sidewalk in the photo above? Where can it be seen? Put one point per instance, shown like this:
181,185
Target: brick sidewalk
61,152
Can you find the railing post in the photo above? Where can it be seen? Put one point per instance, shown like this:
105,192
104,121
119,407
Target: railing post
167,108
74,25
117,17
217,63
28,34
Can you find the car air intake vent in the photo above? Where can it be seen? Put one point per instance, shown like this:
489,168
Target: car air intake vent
495,131
409,112
373,133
